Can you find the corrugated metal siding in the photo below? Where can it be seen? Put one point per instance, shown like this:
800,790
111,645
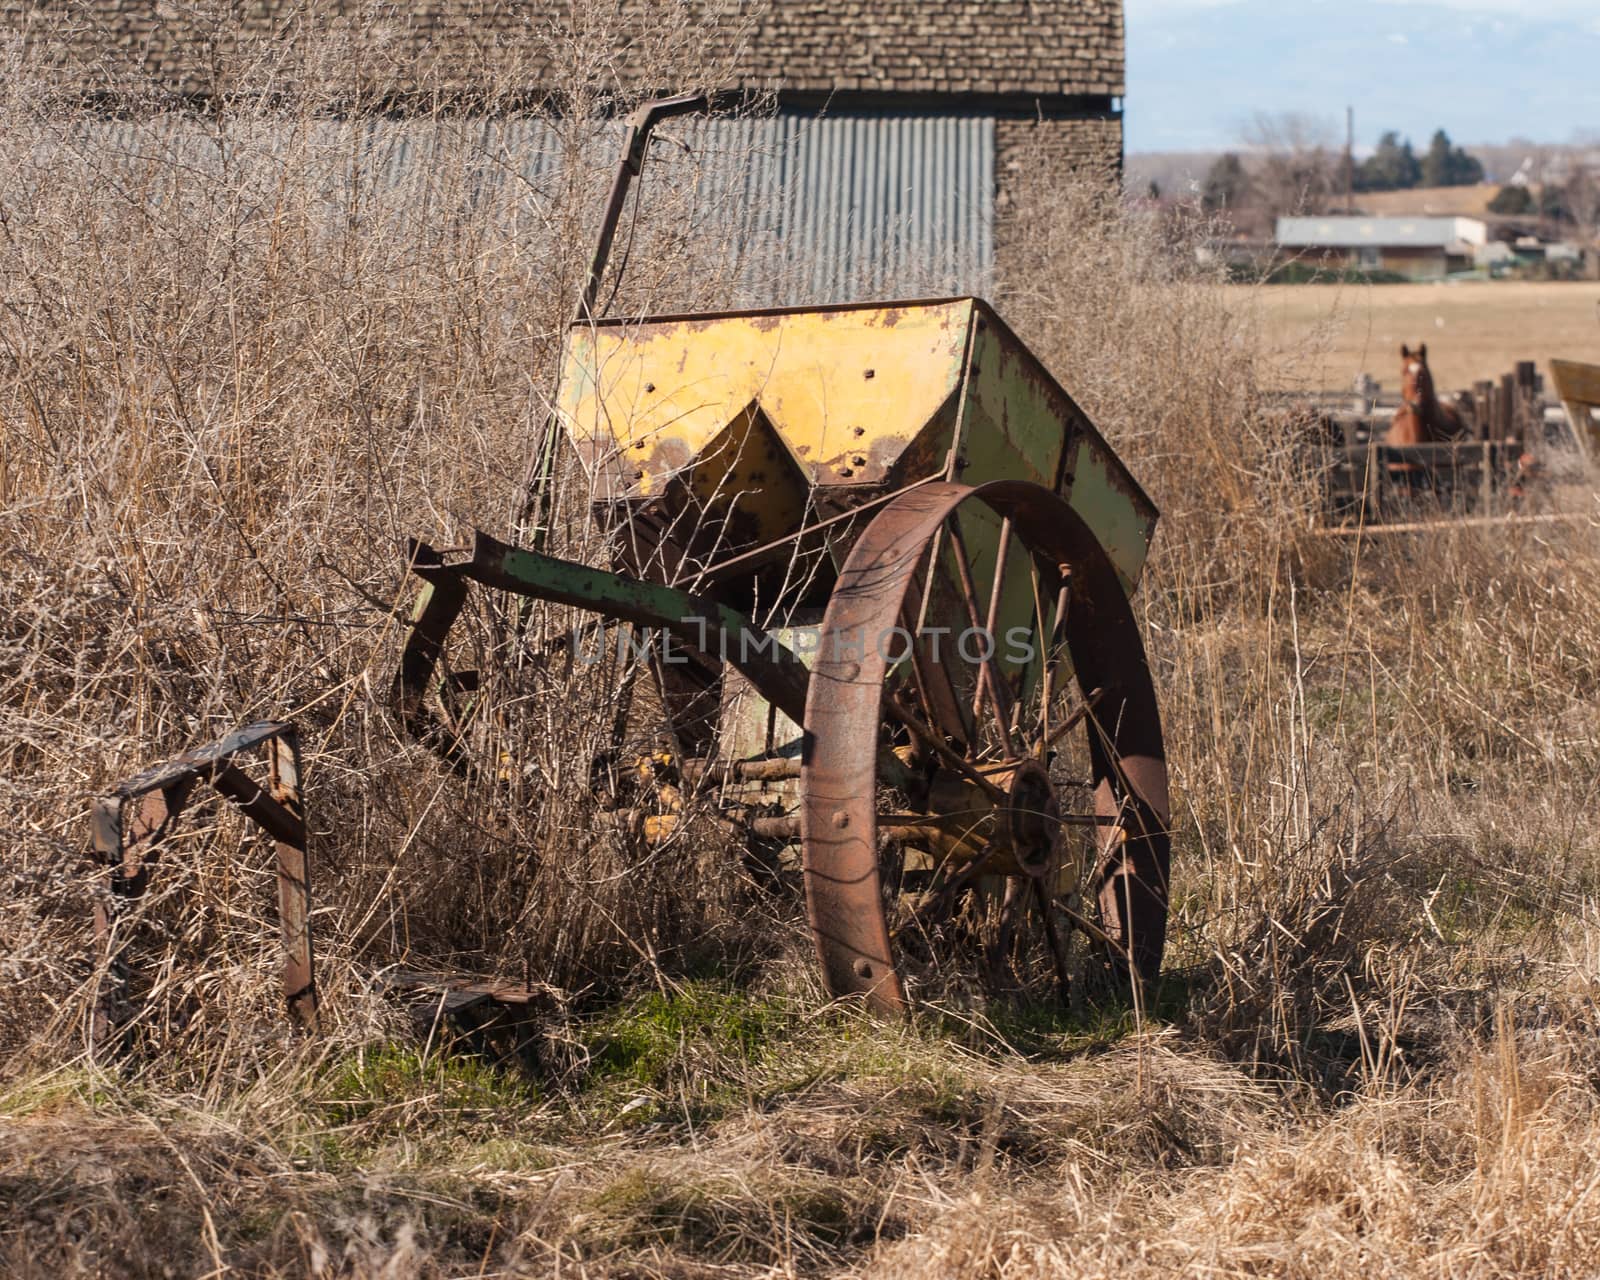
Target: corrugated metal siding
858,206
820,209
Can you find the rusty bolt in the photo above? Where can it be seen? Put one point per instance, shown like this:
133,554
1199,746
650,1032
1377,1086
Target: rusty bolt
841,819
858,432
858,462
863,969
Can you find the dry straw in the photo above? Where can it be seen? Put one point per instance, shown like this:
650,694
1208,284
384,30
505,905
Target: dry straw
244,354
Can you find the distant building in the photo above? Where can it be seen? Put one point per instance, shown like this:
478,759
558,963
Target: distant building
1528,254
1417,248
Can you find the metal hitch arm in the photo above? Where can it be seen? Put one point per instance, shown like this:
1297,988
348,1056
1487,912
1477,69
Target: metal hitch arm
703,626
634,148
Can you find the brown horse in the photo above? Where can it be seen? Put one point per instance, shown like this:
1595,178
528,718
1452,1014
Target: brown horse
1421,418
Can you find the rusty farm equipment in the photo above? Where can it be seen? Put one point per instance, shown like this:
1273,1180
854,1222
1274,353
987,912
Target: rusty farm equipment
886,564
1514,444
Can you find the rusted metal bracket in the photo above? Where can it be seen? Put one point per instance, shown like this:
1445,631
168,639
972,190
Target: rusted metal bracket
131,820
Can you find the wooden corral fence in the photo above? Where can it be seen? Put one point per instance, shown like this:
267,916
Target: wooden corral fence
1511,429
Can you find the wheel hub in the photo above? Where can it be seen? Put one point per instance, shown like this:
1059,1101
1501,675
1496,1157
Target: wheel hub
1032,816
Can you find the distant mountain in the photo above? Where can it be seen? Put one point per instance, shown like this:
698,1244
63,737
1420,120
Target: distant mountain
1196,74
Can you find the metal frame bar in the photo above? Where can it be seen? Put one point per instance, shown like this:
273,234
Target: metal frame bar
131,820
701,624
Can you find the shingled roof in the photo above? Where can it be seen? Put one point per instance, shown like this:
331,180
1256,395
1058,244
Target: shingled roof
985,46
924,47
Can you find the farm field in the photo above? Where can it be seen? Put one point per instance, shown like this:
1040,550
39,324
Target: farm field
1320,337
1374,1048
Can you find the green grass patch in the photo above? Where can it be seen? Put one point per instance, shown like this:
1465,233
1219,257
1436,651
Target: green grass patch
401,1083
64,1090
692,1053
654,1039
1052,1031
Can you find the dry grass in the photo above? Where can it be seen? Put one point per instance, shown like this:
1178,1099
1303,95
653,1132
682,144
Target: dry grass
1321,337
227,394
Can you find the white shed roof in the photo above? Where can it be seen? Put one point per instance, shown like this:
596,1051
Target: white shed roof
1345,232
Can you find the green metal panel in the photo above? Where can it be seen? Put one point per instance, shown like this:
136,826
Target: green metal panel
1015,416
1111,503
1019,423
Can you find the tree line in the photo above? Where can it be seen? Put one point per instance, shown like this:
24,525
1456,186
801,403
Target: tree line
1294,169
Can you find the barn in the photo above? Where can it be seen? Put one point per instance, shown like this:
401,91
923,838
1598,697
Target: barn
1417,248
889,134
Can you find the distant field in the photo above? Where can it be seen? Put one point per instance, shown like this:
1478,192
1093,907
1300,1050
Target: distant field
1471,202
1322,336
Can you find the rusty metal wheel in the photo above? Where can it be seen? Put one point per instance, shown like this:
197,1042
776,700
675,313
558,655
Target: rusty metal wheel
984,776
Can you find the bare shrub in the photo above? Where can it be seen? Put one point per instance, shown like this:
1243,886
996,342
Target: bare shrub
248,351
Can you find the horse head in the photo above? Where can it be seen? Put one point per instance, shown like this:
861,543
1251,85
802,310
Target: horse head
1416,381
1421,417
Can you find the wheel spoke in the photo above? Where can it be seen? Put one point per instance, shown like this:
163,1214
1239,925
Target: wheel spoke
1005,933
999,699
1070,723
991,622
941,748
1092,931
1054,650
946,892
941,704
1052,935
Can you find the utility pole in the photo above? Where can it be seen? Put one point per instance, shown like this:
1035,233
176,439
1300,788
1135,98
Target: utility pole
1349,159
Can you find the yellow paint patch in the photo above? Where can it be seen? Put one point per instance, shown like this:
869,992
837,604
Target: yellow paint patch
846,390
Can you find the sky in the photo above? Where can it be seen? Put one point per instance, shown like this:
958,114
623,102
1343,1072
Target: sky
1483,70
